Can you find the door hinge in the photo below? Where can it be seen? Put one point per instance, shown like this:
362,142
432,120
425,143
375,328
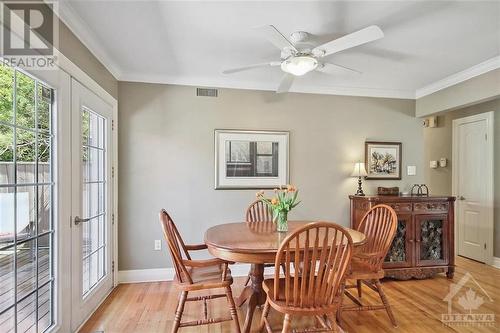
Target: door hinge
113,266
112,172
485,246
112,124
486,136
113,218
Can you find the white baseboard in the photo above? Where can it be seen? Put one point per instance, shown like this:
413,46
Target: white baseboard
496,262
167,274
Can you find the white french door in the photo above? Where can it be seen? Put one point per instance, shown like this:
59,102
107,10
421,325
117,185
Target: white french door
92,204
34,192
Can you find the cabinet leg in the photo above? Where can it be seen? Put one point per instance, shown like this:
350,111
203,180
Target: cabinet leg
450,273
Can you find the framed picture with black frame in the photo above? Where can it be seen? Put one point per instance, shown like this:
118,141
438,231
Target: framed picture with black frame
248,159
383,160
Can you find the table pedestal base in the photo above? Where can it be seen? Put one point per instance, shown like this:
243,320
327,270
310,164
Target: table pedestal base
253,293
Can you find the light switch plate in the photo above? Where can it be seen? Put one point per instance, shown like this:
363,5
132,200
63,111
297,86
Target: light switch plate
411,170
433,164
157,245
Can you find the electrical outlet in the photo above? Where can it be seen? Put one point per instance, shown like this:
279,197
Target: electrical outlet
157,245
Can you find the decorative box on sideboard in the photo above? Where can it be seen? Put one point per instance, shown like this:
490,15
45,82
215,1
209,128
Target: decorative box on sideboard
424,241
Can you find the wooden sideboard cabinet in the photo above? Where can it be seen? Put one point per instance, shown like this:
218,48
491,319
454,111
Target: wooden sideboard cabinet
424,241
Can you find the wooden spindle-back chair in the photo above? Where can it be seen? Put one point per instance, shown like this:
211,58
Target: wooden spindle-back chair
195,275
258,211
379,226
323,252
261,216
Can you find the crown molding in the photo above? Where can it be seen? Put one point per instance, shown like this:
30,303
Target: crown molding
235,84
77,25
476,70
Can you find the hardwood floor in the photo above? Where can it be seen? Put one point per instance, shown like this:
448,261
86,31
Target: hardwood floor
417,305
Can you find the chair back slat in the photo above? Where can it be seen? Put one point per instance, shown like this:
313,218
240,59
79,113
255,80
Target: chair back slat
319,253
379,226
176,247
259,212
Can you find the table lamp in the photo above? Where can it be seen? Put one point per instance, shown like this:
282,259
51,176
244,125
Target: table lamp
359,171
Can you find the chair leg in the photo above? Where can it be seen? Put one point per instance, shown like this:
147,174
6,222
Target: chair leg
248,280
232,308
338,315
179,311
286,324
358,286
335,327
384,299
265,313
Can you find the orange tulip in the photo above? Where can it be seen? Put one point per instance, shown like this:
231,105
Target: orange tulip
274,201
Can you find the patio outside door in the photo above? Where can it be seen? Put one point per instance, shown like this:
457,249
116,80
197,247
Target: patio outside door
91,218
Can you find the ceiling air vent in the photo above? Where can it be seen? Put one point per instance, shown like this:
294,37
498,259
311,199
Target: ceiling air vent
206,92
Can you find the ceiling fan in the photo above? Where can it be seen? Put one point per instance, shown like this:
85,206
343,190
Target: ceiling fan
298,61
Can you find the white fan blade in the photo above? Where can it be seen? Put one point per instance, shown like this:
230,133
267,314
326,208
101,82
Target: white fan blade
335,69
244,68
274,36
285,84
346,42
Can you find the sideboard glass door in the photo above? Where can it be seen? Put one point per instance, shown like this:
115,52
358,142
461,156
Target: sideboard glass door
399,254
431,240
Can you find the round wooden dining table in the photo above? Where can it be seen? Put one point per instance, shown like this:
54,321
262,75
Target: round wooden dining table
254,243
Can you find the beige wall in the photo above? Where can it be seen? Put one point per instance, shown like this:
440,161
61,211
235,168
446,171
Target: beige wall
438,143
166,156
477,89
75,51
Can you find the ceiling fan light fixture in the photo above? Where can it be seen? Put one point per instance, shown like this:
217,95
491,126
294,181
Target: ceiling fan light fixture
299,65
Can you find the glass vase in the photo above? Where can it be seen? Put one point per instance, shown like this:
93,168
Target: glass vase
282,221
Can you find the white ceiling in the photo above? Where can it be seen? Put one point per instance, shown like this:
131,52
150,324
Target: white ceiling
191,42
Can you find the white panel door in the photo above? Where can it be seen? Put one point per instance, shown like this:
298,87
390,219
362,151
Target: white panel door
472,171
92,241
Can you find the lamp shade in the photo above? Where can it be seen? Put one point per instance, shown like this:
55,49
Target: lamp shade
359,170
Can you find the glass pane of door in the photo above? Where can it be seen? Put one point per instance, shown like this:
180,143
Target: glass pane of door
93,199
431,239
399,254
26,203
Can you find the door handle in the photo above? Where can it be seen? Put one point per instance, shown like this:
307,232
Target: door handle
79,220
461,198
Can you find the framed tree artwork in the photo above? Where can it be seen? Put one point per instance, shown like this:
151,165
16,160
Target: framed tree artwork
383,160
251,159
